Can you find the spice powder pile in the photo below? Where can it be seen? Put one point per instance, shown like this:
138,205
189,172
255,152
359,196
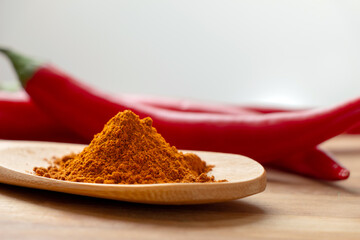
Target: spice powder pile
128,151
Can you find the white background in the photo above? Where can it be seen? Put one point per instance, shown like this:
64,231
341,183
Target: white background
291,53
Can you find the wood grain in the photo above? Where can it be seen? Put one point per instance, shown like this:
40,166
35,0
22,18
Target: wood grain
292,207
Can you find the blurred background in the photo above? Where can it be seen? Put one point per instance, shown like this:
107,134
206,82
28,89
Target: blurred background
283,53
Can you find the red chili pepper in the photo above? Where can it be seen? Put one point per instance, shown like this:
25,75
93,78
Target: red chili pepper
20,119
196,106
187,105
265,110
268,138
312,163
309,162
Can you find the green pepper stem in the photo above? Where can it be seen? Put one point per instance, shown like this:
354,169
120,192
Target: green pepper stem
25,67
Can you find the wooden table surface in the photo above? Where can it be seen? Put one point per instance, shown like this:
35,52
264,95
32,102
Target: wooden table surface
292,207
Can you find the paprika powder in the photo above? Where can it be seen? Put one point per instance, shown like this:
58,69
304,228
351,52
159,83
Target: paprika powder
129,151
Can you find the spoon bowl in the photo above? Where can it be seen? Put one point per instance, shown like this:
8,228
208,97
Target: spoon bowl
244,176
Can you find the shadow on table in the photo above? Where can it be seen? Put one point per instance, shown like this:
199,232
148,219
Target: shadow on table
298,183
218,214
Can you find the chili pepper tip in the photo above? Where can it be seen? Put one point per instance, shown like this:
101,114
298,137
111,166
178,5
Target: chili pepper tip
343,174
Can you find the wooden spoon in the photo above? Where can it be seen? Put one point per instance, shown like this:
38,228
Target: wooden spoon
245,176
